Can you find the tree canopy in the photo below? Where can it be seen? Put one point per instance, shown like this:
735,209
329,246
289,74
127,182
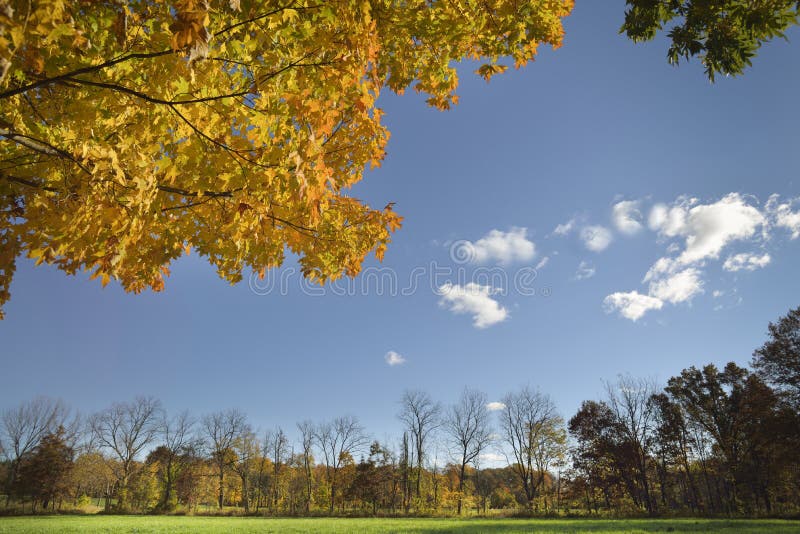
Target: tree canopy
724,34
777,361
132,132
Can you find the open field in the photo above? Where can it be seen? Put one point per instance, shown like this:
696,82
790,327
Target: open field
231,525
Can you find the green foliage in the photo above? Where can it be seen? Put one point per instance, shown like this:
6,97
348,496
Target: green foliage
778,360
724,34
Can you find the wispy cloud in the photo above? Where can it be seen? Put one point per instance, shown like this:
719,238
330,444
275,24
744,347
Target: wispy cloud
783,215
585,270
746,262
544,261
565,228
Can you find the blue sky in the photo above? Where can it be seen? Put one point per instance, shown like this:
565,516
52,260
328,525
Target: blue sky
597,122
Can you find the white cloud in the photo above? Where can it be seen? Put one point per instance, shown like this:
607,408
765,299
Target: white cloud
495,406
473,299
394,358
632,305
626,217
784,216
544,261
680,287
661,267
504,247
710,227
717,293
669,221
565,228
746,262
585,270
596,238
706,230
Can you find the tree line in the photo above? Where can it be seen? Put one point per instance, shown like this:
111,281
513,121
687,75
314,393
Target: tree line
711,442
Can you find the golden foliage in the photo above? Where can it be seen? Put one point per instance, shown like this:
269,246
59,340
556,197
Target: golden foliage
132,132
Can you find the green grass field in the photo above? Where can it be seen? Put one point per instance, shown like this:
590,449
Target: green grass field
232,525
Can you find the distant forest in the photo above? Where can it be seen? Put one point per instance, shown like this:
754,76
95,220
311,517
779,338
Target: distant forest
711,442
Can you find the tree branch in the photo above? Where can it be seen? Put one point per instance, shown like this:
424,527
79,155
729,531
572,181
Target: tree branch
84,70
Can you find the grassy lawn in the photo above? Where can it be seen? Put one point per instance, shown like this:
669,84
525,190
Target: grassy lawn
231,525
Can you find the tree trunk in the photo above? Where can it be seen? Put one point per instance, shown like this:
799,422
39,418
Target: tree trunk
122,496
221,495
461,487
308,484
167,487
245,491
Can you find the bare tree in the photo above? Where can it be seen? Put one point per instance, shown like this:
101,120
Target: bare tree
221,429
306,429
23,429
337,440
468,430
635,418
535,433
126,429
176,434
421,416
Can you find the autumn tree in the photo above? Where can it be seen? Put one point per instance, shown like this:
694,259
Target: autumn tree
44,473
177,439
338,440
633,412
92,475
245,448
673,450
751,432
24,426
724,34
306,429
220,430
276,447
534,432
126,429
421,416
134,131
375,482
483,486
468,428
594,453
